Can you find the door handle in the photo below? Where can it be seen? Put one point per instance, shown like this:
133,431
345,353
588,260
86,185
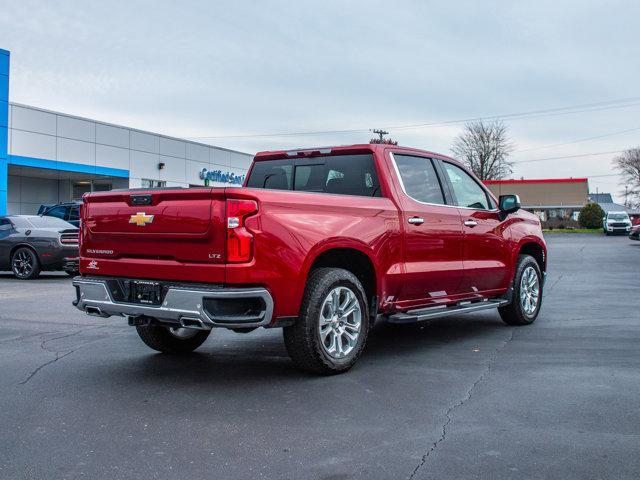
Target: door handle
470,223
416,221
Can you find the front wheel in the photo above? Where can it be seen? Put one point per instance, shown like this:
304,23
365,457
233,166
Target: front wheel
331,331
527,293
174,340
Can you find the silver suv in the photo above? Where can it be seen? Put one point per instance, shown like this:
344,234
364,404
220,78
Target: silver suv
616,222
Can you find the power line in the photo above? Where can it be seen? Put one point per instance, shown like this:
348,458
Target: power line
580,108
551,112
610,134
569,156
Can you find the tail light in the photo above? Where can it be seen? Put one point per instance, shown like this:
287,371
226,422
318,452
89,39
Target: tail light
70,239
239,239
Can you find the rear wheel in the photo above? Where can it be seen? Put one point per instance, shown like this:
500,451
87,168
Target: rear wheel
527,293
331,331
25,264
172,339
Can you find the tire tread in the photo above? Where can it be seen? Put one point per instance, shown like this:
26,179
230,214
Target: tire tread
300,338
512,314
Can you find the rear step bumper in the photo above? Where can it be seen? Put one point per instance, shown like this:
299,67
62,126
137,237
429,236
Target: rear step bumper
198,308
444,310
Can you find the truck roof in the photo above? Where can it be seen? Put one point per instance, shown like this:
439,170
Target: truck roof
342,149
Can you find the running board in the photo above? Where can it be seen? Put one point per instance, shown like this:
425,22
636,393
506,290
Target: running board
440,311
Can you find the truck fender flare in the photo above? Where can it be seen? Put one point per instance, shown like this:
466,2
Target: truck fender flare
330,244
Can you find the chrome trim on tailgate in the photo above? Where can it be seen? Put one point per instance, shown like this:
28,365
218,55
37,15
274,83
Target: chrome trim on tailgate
94,298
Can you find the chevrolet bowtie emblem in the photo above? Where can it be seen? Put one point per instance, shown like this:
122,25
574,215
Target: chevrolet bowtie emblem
141,219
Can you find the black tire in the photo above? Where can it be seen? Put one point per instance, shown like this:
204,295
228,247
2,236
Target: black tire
303,340
161,339
514,314
25,264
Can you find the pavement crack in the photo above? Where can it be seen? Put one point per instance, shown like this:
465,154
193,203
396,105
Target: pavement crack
58,357
44,342
466,397
60,354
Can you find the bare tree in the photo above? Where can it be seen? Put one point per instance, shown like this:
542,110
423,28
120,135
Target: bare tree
628,164
485,149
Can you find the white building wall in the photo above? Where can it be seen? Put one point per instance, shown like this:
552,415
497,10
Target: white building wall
42,134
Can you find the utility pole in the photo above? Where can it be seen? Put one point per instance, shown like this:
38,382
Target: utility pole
381,133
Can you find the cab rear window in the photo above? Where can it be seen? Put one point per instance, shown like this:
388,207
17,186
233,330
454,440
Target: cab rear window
339,174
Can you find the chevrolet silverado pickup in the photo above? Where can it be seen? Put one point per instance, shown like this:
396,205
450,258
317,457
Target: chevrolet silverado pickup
320,242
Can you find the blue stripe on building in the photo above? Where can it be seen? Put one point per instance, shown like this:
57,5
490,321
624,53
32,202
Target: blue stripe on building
66,166
4,128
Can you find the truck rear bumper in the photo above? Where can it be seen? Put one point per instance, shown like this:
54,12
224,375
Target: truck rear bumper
187,306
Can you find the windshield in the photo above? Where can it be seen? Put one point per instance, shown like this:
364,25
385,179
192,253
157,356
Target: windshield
618,216
48,222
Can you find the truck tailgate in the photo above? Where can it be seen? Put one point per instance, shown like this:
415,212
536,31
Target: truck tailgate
170,234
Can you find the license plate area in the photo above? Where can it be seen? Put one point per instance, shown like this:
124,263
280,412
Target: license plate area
146,292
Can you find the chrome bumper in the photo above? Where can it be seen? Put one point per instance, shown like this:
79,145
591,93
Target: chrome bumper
181,305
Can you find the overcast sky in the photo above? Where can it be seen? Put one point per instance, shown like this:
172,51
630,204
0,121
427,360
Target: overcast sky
228,68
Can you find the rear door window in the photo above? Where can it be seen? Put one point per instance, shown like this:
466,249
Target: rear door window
339,174
419,179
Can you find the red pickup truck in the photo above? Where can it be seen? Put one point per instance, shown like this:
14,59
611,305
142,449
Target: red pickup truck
319,241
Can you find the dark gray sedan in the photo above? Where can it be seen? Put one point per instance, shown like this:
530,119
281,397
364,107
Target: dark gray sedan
30,244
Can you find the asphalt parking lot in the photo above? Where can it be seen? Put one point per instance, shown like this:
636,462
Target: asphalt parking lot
458,398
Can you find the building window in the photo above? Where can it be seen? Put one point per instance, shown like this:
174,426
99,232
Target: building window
541,214
82,187
146,183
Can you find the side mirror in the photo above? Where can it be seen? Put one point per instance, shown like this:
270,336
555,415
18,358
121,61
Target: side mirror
509,203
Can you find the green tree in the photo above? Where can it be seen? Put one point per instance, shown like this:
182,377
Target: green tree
591,216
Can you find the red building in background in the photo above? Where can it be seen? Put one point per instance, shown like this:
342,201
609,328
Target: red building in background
556,201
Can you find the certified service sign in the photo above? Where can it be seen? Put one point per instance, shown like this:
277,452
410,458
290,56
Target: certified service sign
220,176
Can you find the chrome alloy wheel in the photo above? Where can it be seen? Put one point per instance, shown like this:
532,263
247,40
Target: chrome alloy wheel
22,263
182,333
340,320
529,291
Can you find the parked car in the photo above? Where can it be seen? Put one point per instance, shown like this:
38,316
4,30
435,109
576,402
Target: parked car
616,222
30,244
634,234
69,212
321,242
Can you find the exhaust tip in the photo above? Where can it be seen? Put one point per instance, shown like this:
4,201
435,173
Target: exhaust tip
192,322
94,312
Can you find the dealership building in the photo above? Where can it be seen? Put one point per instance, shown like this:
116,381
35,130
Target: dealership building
49,157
